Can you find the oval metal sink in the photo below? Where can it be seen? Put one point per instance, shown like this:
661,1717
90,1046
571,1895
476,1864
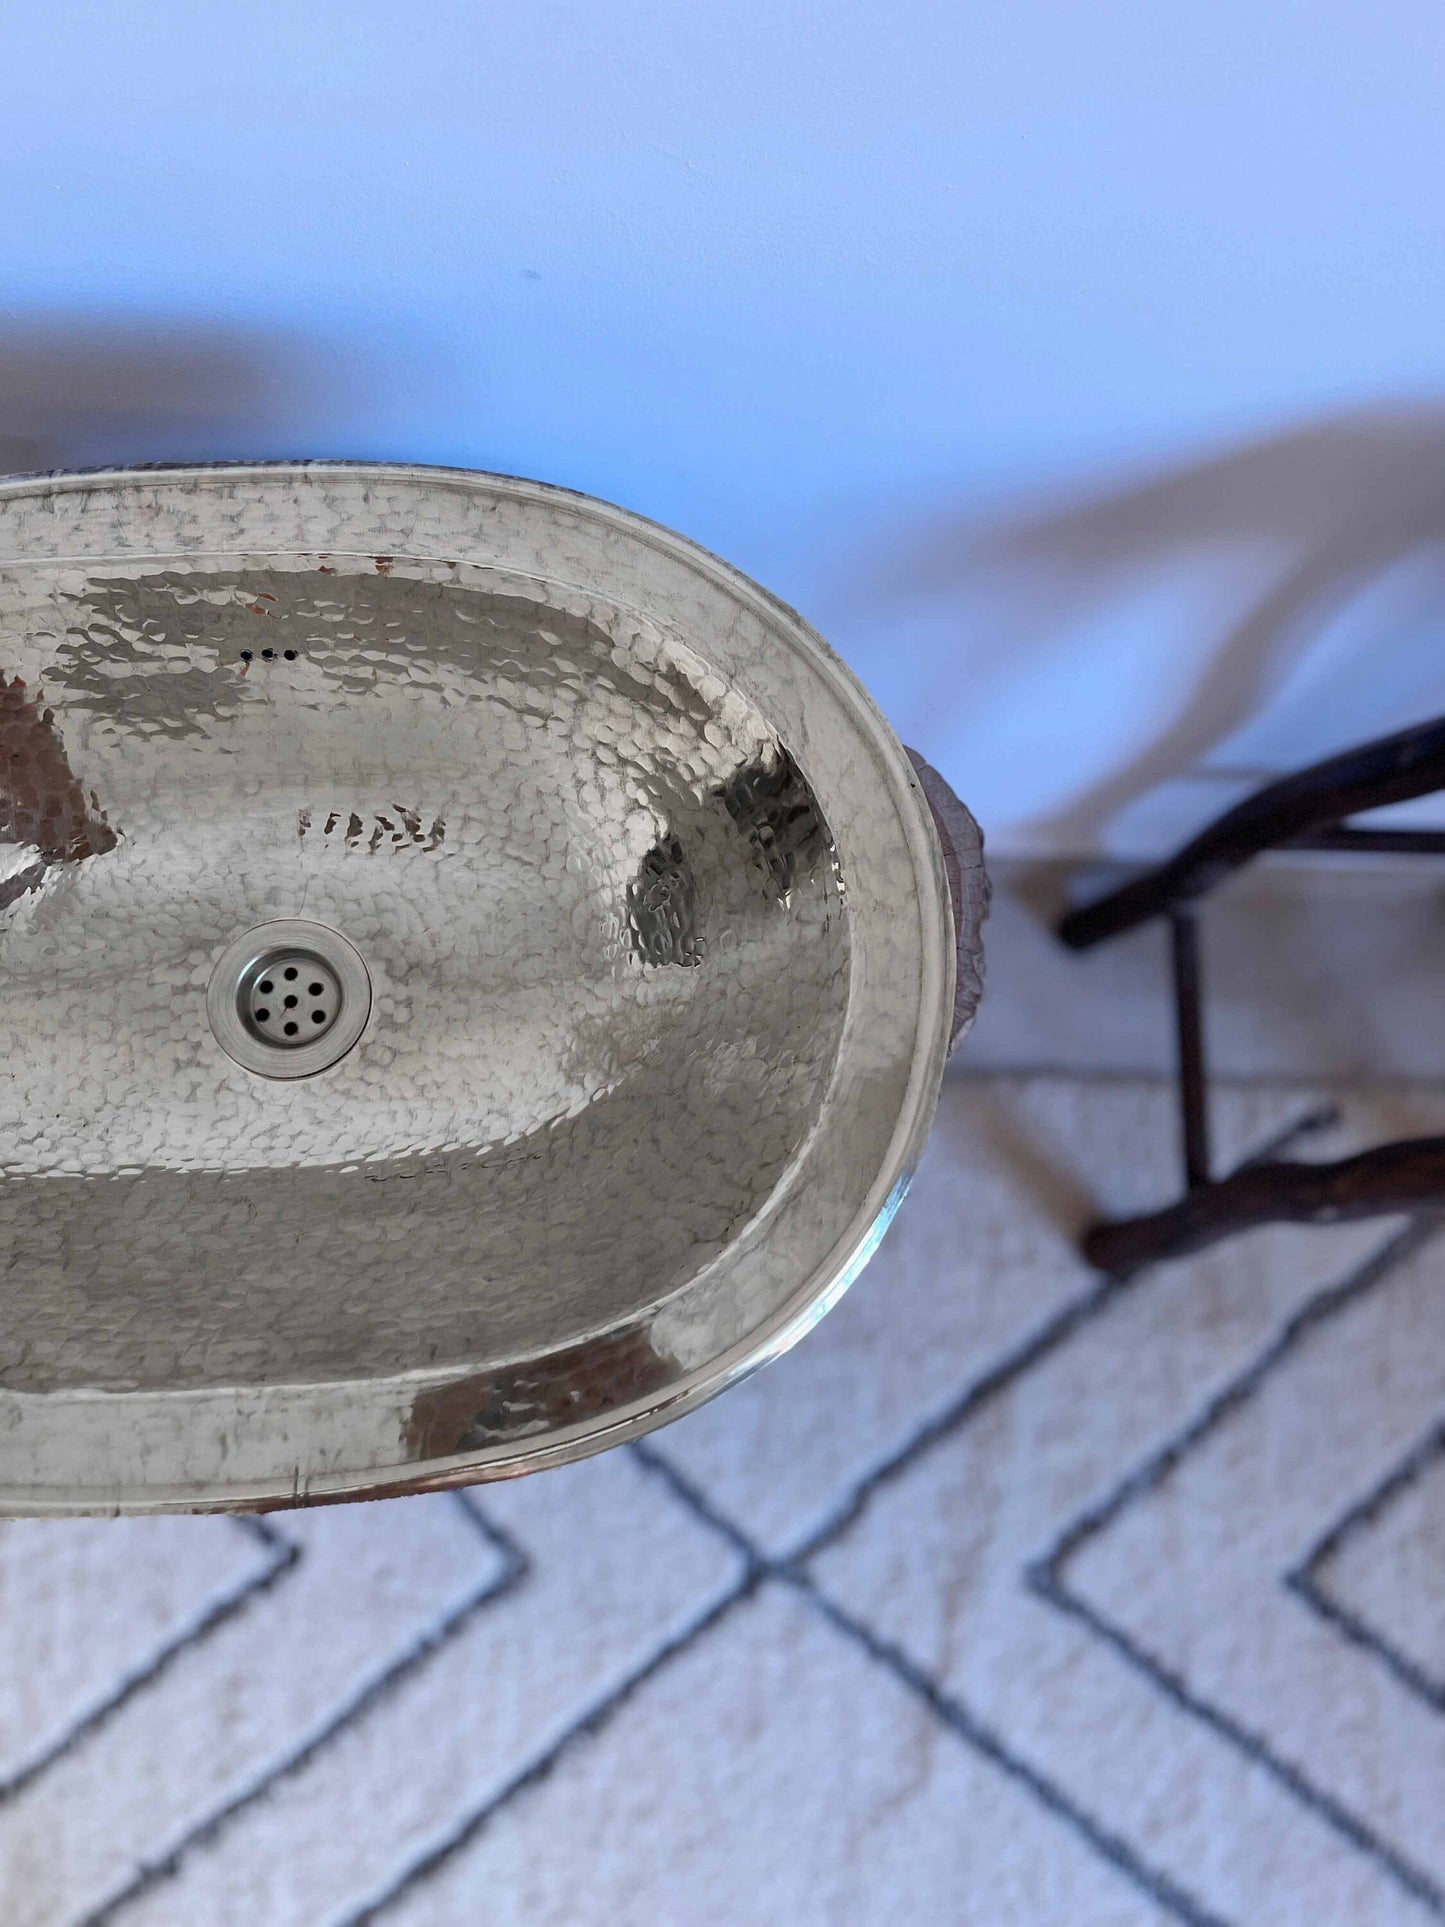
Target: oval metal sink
476,976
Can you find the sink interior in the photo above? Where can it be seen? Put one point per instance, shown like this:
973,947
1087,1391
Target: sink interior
602,914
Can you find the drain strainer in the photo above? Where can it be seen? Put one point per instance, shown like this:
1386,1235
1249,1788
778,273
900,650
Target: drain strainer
288,999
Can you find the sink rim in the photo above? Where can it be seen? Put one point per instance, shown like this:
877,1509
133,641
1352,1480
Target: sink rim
78,1430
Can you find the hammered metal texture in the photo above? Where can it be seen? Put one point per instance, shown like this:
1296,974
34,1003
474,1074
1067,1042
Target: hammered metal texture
600,909
613,933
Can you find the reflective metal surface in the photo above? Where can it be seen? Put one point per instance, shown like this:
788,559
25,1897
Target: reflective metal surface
623,980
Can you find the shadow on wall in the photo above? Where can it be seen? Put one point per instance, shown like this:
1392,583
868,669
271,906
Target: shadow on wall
1274,539
80,392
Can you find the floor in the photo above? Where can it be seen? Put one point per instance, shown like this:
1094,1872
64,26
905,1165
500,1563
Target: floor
1014,1597
1315,967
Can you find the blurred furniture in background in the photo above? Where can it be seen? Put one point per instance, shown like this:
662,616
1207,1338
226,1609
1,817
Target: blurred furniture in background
1310,810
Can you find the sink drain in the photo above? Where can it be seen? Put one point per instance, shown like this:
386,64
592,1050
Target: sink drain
288,999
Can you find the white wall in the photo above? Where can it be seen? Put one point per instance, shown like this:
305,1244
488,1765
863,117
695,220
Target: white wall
822,286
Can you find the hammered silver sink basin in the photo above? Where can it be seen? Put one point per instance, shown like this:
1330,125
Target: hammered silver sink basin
476,975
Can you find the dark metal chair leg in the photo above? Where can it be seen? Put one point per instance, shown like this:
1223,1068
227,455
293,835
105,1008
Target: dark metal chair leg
1193,1093
1408,1176
1305,810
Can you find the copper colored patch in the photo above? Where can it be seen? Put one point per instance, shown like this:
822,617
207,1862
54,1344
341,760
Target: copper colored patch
561,1388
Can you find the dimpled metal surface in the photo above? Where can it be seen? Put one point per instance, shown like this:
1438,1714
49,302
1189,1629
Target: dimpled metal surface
644,1070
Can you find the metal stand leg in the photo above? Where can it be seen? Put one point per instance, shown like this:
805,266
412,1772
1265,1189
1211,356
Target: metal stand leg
1193,1096
1408,1176
1304,810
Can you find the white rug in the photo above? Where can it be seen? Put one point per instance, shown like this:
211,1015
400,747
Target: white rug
1013,1598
